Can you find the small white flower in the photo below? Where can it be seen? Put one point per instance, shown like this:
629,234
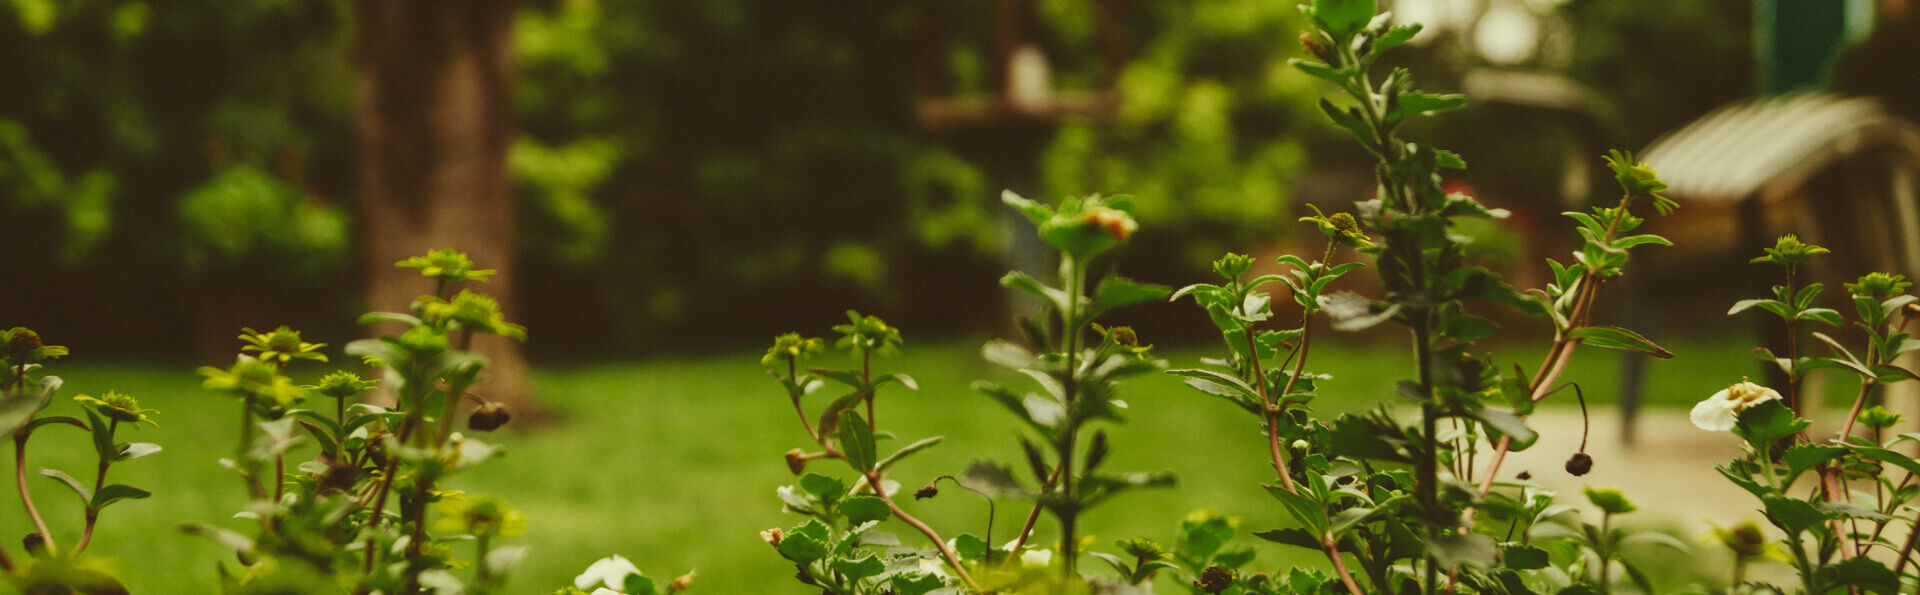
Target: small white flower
611,571
1719,412
1036,558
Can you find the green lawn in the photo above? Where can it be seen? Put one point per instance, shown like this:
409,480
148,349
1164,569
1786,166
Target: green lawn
673,462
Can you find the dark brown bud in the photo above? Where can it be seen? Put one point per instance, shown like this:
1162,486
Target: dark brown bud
929,491
339,475
1579,464
796,461
488,417
1524,475
35,544
1215,579
23,341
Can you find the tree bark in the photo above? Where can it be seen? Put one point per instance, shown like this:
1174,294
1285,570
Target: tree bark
434,124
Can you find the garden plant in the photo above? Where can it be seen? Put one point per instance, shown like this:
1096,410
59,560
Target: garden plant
1397,500
344,495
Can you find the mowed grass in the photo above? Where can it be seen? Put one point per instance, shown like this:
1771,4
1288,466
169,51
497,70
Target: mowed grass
673,462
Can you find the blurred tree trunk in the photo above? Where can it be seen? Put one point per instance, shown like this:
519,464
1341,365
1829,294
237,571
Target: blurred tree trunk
434,124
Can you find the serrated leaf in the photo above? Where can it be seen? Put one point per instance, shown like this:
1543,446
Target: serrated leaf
860,509
859,568
970,547
823,487
1393,37
802,548
1792,515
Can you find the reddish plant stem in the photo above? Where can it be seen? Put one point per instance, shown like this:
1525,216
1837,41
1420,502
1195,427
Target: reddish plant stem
953,560
1327,544
26,498
1032,517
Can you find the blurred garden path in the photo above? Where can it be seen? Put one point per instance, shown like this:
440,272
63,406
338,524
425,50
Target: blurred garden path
1668,472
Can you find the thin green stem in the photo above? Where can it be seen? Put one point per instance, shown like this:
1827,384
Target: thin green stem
1076,285
1428,484
99,481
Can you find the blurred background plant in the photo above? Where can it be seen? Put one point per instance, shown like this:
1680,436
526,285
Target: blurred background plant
678,163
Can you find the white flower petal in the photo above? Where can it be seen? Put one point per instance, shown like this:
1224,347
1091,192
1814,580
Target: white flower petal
611,571
1716,414
1036,558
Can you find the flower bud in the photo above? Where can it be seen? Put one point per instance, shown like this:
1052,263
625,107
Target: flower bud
1579,464
488,417
796,461
22,341
772,536
928,491
35,544
681,583
1215,579
1523,476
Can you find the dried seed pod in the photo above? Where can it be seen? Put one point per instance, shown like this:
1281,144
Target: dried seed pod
1579,464
488,417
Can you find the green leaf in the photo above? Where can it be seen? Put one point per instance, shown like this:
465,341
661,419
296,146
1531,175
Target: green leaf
1342,18
970,547
1637,240
1766,422
1613,337
1006,354
18,408
993,479
856,441
1792,515
55,419
1415,103
1393,37
1307,512
115,493
1866,573
1827,316
1523,557
132,450
636,584
1320,70
907,450
862,508
802,548
1022,282
102,436
1506,423
1472,550
1227,382
827,489
916,584
86,495
1801,457
1117,291
859,568
1293,537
